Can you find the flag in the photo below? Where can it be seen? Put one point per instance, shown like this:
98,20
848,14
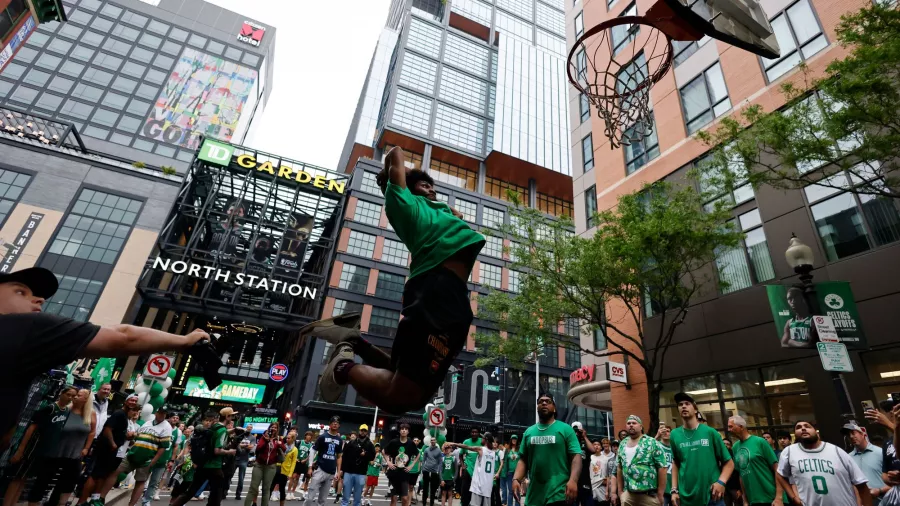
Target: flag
102,372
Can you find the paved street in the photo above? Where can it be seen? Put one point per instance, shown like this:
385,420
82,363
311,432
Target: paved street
377,500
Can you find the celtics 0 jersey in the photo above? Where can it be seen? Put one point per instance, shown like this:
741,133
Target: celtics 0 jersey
824,476
799,329
303,450
485,468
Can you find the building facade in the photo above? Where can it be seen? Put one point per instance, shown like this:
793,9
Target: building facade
728,352
144,81
474,91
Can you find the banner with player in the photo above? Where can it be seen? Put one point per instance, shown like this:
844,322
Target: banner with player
794,317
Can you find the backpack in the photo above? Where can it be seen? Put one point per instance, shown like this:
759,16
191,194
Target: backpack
201,445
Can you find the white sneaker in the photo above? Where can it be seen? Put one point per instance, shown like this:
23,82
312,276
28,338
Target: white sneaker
290,496
156,496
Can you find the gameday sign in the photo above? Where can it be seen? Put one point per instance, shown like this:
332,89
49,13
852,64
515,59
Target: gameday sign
251,33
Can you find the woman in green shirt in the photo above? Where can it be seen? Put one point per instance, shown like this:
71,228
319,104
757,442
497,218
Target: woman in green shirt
510,459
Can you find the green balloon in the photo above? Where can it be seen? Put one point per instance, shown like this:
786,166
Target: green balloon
156,402
155,389
147,381
140,422
173,373
441,439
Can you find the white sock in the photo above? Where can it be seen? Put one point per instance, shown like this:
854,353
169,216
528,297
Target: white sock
95,496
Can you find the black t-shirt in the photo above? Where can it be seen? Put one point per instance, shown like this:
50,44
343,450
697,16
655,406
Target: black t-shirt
402,454
584,481
50,421
118,424
35,343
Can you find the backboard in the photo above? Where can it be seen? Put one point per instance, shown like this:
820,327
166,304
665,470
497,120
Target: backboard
741,23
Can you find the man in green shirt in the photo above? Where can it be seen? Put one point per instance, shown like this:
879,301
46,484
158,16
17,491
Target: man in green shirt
468,471
755,461
436,310
551,458
663,436
211,470
640,467
701,465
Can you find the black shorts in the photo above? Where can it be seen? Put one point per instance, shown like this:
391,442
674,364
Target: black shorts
447,486
413,479
399,482
434,327
301,469
105,463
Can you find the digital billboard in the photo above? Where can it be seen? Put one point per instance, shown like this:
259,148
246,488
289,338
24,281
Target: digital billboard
228,391
204,95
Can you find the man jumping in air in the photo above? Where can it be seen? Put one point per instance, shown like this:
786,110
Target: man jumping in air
436,308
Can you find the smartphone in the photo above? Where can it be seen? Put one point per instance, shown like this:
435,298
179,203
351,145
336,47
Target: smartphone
895,396
867,405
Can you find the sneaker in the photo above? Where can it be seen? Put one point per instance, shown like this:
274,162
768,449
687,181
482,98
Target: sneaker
334,330
331,389
156,496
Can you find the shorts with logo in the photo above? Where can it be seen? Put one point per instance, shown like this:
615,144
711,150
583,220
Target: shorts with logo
141,473
433,328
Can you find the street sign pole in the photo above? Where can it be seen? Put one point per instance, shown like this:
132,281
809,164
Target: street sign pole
837,378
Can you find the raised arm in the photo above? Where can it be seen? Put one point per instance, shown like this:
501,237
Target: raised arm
461,446
394,169
122,340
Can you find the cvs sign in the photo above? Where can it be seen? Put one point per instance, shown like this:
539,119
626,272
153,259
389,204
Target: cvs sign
617,371
583,373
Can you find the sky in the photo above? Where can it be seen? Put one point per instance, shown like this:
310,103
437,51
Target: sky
322,53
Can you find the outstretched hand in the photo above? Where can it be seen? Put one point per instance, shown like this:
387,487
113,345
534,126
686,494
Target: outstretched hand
196,335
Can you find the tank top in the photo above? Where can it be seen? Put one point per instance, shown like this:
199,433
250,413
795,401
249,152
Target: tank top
483,477
72,437
800,329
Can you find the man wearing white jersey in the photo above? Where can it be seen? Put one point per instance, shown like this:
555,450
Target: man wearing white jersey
485,469
823,473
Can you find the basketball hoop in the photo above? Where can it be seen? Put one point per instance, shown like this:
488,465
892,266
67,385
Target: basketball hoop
618,85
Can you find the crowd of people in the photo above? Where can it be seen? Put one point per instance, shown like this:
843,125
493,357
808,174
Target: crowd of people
77,451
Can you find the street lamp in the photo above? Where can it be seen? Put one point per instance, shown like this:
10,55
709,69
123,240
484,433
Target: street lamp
801,258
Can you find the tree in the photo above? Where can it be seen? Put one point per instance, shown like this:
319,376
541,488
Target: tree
846,120
650,250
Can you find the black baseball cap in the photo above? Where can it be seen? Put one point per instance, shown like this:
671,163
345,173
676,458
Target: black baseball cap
42,282
681,396
336,418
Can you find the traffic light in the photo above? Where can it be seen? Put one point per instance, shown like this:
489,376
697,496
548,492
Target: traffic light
49,10
453,419
380,423
287,418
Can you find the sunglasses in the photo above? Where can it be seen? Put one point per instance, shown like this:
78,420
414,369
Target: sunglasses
544,401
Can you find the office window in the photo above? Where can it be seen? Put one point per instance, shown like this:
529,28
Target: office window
848,224
551,19
515,277
367,212
60,46
705,98
105,117
799,37
354,278
590,206
749,262
49,102
458,128
384,321
710,185
395,252
453,175
493,247
522,8
36,77
48,62
61,84
468,209
146,91
599,339
473,9
138,107
553,206
76,109
97,227
622,35
124,84
12,185
581,67
342,306
151,41
491,217
584,107
129,124
424,37
466,55
361,244
125,32
418,72
370,184
463,90
587,152
491,275
573,359
499,189
579,24
642,148
389,286
511,25
75,298
96,76
412,111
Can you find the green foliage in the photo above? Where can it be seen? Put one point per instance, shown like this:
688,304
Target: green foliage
139,165
168,170
848,119
654,244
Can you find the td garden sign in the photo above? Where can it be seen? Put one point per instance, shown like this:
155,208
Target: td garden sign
223,154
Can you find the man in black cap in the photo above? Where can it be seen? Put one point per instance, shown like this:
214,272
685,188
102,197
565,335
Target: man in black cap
36,342
701,464
329,450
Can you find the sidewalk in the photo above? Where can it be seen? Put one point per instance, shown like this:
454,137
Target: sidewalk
118,497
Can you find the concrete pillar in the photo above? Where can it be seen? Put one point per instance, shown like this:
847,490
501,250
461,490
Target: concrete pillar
532,193
426,158
482,174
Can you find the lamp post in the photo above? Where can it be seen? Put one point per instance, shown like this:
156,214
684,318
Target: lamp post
801,258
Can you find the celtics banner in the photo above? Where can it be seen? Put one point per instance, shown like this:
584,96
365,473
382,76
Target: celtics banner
794,318
227,391
102,372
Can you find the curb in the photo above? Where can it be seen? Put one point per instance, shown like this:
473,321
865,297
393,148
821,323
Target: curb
118,496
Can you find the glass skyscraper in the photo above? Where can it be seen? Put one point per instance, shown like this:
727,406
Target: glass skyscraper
143,80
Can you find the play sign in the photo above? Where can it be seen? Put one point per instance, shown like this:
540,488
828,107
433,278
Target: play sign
278,372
